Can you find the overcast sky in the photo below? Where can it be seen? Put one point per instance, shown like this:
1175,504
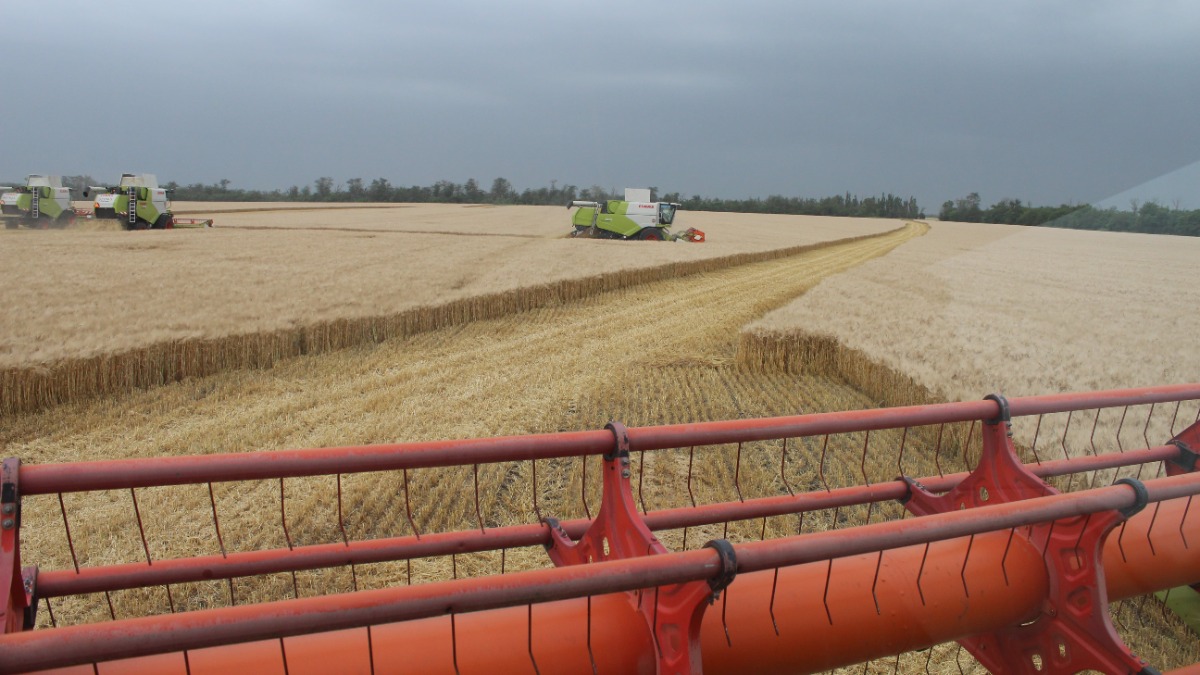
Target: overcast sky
1050,102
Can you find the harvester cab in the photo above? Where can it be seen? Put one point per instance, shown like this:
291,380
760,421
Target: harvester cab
42,202
635,217
150,208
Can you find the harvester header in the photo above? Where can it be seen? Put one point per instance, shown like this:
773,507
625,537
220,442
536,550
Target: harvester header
988,553
635,217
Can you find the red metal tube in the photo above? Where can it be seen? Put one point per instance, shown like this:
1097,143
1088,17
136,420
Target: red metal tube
134,473
741,431
157,471
1113,398
56,583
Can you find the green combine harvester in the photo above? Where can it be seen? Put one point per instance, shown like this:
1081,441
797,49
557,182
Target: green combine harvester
637,217
41,203
151,210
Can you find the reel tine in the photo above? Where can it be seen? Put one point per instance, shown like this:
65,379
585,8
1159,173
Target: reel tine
529,644
408,509
863,462
475,483
283,517
137,512
771,604
212,500
641,476
782,465
67,530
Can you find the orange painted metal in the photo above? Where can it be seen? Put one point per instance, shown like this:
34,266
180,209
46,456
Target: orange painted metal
1073,631
816,630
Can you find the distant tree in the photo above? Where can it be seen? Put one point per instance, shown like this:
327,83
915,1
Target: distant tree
472,192
323,188
380,190
355,191
594,193
502,191
964,210
77,184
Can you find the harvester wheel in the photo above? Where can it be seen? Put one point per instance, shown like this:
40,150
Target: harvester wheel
11,224
65,219
651,234
163,221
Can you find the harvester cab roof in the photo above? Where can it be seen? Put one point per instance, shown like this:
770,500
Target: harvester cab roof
147,180
38,180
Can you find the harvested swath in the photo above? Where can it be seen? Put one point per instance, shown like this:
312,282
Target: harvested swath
183,304
799,352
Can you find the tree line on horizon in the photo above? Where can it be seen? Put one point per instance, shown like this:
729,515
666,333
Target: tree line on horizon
1148,217
325,189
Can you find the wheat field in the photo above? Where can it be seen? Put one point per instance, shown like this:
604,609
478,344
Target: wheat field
663,348
93,312
971,309
975,308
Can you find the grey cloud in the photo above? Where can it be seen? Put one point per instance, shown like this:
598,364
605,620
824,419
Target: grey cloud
1049,102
